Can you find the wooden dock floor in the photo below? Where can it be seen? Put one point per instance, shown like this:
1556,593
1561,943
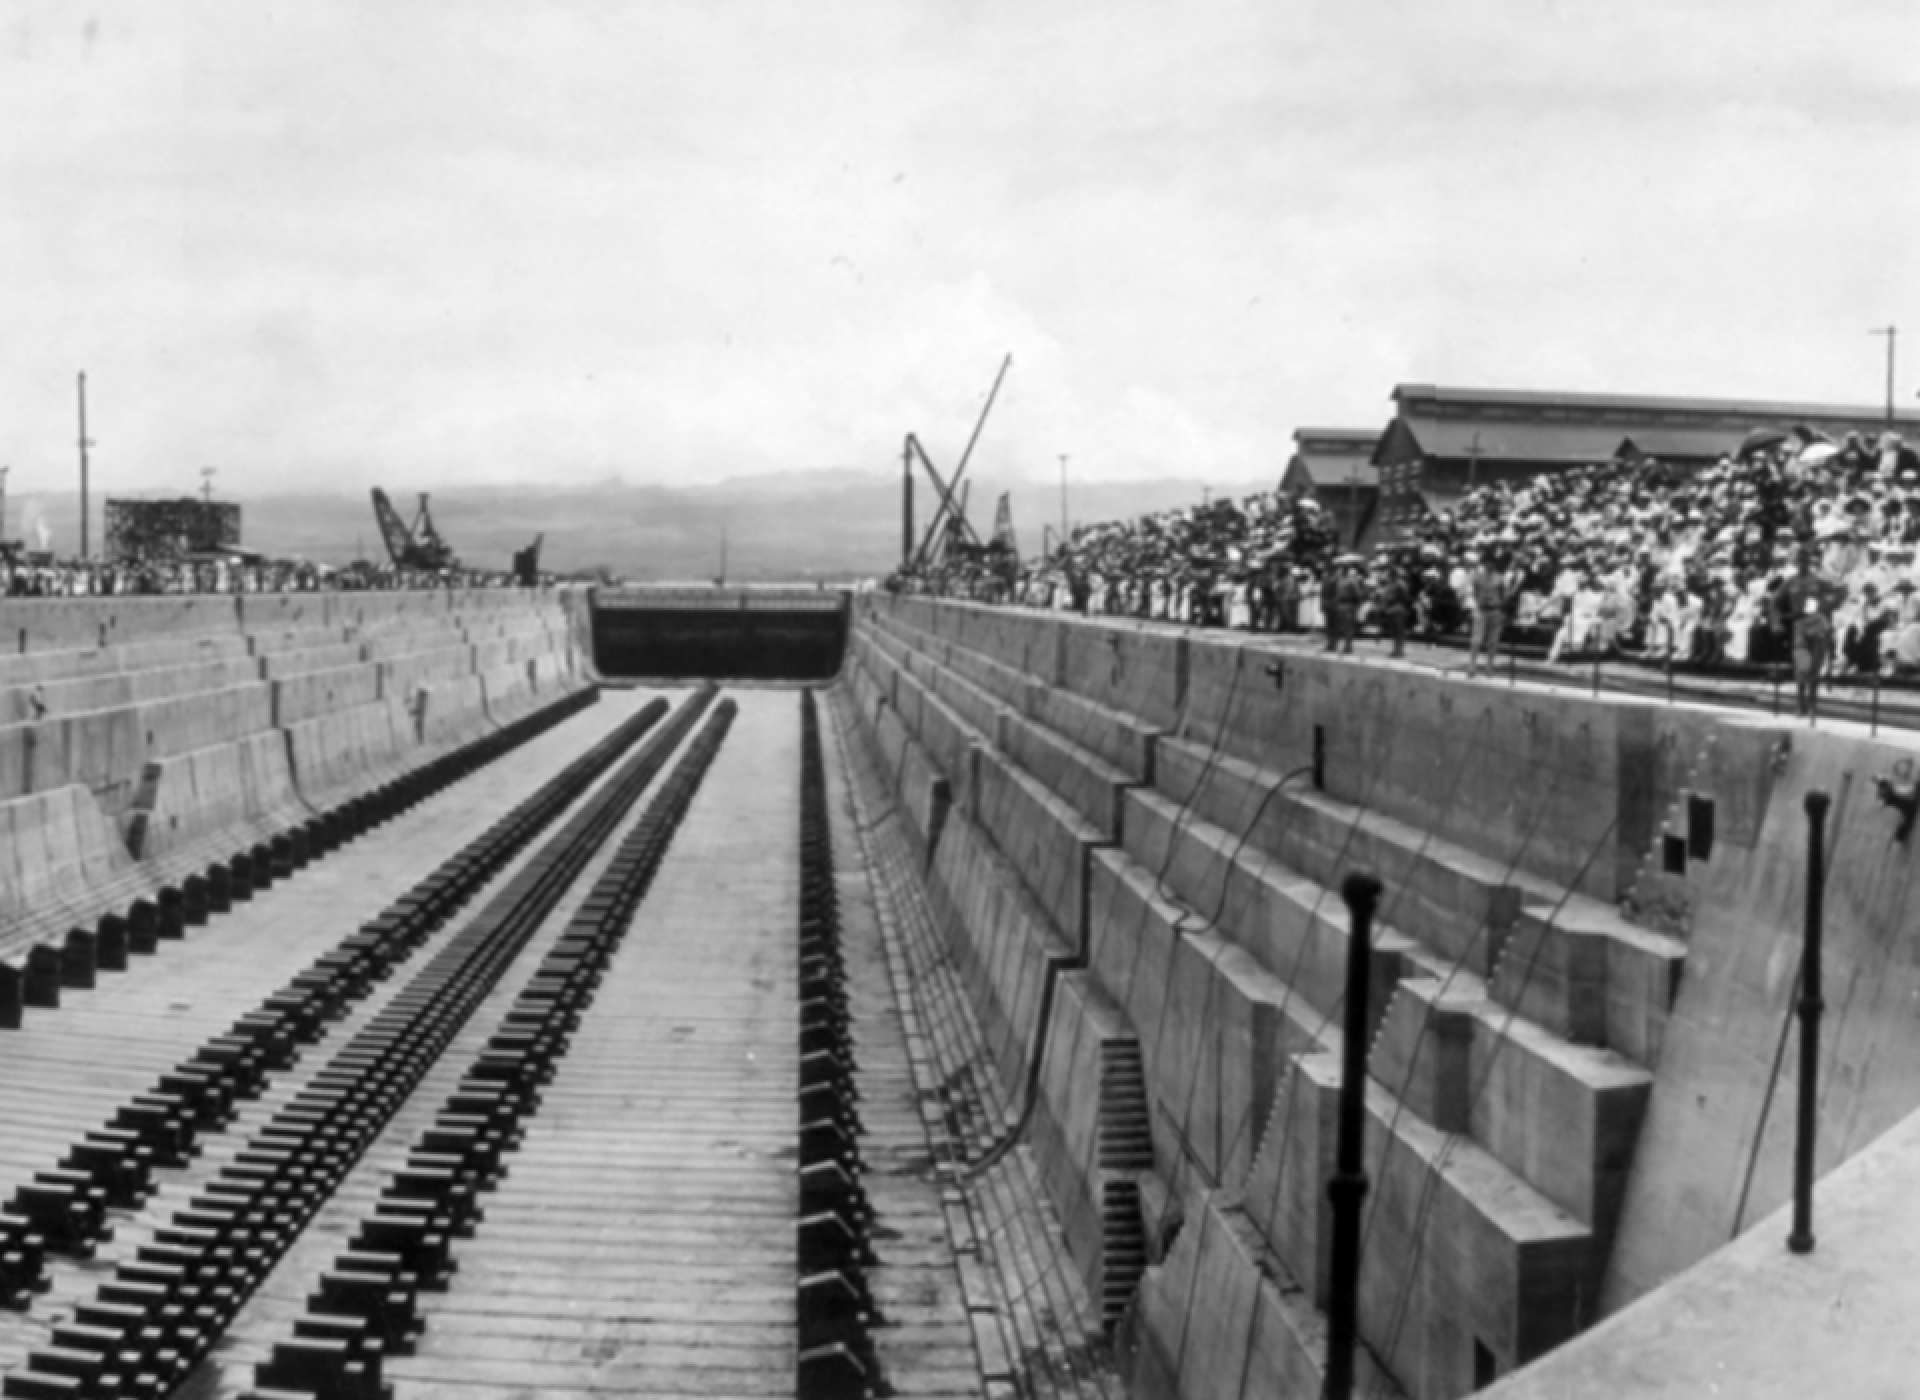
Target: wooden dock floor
643,1239
67,1070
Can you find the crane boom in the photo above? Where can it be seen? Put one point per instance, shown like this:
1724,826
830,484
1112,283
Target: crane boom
398,538
416,546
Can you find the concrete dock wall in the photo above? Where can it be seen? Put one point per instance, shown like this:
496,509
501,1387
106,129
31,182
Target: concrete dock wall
166,722
1591,922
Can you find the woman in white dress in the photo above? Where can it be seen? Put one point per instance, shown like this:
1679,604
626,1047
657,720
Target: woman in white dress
1740,621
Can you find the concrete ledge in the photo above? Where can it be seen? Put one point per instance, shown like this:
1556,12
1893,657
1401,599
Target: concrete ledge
945,735
327,656
404,672
1045,839
454,711
1004,945
890,734
1423,1051
1006,685
1561,1117
1214,1320
127,658
923,793
276,641
1588,975
191,722
1067,1117
510,692
57,849
1092,787
1295,928
1119,739
1215,1027
113,690
41,624
303,694
247,784
340,755
1755,1321
1457,1251
975,707
1459,904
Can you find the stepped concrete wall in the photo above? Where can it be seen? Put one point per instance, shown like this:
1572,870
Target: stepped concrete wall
133,730
1582,969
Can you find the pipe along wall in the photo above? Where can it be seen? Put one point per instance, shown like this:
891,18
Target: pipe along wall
1585,958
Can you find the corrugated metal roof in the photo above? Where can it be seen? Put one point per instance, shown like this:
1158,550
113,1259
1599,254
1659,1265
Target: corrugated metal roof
1336,468
1704,444
1357,437
1759,411
1555,443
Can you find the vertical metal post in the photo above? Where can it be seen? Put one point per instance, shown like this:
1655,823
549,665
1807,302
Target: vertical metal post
1349,1185
1669,674
1892,333
1800,1241
906,501
1063,497
1873,719
84,445
1774,670
1596,673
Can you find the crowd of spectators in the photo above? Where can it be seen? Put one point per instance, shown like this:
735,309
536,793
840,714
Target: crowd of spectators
27,577
1795,550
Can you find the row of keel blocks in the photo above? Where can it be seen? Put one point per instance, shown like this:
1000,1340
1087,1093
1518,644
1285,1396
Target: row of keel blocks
63,1209
36,979
834,1304
365,1307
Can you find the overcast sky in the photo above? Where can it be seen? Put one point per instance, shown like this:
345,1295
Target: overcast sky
415,243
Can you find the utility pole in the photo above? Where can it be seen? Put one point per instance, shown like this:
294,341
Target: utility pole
1892,333
1353,498
1473,462
206,484
1063,498
85,443
3,503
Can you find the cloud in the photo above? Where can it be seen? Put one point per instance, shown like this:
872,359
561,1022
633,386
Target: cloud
417,245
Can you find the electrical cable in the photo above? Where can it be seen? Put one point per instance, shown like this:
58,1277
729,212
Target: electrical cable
1508,1015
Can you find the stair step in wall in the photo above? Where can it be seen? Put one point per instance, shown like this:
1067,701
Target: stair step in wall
1505,1095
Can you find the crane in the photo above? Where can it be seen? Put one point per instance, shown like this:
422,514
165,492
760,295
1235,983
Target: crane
526,563
415,546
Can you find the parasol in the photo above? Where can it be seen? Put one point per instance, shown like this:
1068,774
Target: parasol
1759,440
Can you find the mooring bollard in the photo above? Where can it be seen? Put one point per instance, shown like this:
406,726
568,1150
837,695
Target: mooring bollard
1800,1241
1349,1185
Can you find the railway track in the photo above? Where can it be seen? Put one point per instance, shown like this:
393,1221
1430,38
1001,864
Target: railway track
571,1113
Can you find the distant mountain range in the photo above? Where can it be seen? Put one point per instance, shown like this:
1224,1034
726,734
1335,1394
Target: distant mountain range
821,524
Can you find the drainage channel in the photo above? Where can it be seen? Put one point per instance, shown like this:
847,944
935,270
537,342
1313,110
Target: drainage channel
161,1309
